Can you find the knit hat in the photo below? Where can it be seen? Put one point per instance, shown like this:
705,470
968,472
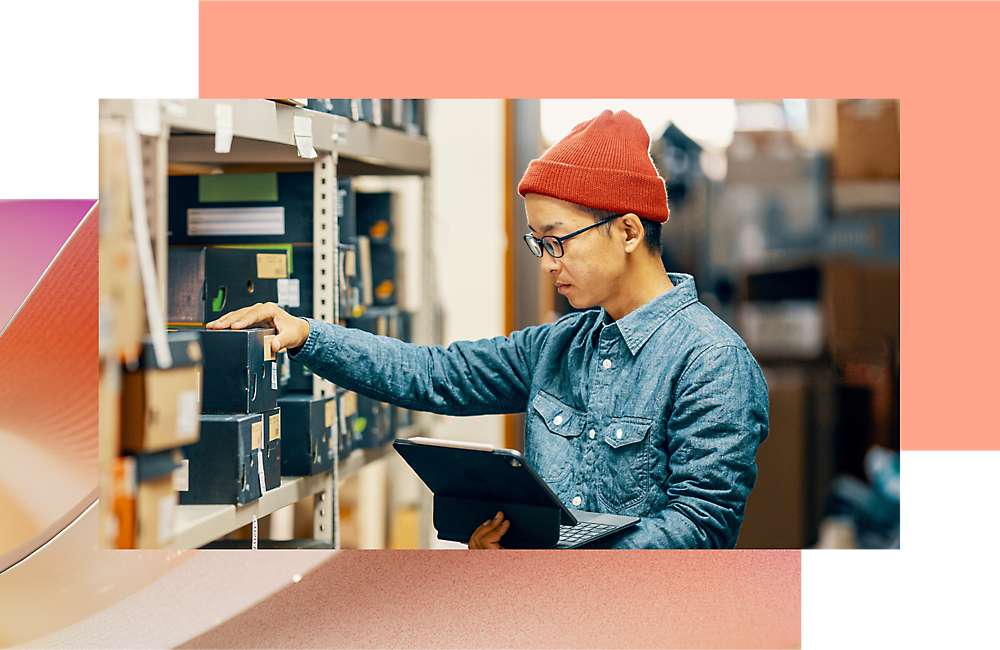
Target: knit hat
603,163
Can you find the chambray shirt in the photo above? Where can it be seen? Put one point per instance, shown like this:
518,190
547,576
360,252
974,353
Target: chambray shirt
657,415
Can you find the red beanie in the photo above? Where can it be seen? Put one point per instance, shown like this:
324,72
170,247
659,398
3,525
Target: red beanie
603,163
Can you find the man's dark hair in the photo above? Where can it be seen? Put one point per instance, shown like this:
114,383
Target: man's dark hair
652,228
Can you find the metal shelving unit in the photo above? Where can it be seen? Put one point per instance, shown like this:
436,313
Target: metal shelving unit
264,139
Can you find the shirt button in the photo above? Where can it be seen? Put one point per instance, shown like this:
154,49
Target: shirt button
557,420
618,434
607,364
577,501
592,434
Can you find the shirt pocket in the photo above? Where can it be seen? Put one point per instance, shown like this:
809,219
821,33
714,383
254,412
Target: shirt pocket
625,458
555,427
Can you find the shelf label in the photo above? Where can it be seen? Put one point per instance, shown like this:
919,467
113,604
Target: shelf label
304,136
235,221
253,541
223,128
165,528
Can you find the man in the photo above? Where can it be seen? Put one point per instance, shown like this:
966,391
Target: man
646,404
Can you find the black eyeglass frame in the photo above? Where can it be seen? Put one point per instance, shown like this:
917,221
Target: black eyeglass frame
545,243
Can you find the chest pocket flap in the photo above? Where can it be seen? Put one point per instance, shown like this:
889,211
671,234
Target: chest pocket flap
560,419
622,433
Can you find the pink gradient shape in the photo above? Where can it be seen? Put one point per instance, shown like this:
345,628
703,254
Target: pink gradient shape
33,233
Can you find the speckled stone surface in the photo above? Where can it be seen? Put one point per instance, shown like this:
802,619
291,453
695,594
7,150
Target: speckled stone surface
530,599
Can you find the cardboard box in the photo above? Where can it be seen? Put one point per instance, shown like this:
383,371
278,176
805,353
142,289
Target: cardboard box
308,434
155,499
121,301
271,444
241,373
160,407
867,139
117,503
109,390
223,467
862,306
206,283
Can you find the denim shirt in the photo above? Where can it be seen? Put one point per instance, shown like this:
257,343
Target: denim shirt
657,415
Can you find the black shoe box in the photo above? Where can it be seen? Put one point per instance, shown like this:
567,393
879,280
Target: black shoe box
373,425
271,447
340,107
374,216
222,466
206,283
383,275
308,432
241,371
295,195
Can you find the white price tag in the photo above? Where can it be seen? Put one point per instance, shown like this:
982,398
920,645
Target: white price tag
274,375
253,543
146,116
223,128
304,136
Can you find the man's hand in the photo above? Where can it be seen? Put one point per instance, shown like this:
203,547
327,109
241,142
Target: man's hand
292,331
488,535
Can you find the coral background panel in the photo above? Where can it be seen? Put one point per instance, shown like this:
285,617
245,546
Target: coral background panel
530,599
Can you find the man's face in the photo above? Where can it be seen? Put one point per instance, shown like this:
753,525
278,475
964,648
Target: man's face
591,269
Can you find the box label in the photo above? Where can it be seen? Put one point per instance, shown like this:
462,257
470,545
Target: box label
181,476
274,375
188,413
256,433
268,350
274,425
272,265
235,221
331,413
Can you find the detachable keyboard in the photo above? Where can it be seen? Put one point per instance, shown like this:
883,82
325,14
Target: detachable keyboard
582,533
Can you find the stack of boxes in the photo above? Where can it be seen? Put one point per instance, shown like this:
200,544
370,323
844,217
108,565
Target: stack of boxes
241,239
238,457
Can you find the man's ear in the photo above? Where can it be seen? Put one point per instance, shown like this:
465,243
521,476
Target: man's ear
634,232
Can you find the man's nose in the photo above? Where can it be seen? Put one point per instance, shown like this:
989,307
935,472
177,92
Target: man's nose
549,263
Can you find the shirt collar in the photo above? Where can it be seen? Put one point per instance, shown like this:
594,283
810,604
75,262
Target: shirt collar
637,326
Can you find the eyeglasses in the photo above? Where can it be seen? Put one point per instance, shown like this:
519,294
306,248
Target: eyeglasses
553,245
